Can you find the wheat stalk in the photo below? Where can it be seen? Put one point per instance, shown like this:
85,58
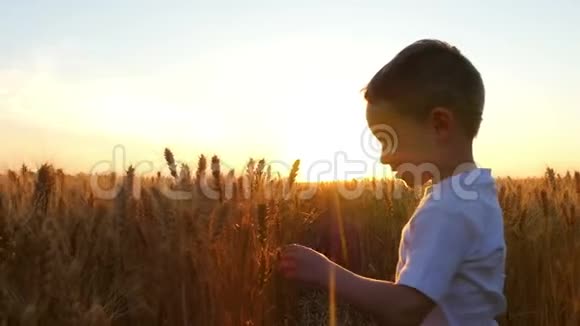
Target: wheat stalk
171,162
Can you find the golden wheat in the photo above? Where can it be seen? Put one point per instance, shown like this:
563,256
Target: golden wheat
68,257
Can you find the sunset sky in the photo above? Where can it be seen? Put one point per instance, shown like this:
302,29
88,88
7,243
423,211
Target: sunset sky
282,81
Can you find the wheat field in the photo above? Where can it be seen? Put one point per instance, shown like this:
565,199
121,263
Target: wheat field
70,257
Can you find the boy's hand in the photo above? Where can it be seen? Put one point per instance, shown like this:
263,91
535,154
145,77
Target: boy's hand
304,264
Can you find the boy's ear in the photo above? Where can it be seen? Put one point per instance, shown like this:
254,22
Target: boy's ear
442,120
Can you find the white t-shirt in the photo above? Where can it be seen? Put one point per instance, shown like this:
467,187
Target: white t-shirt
453,250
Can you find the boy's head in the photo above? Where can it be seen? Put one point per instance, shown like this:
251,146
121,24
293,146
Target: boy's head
432,97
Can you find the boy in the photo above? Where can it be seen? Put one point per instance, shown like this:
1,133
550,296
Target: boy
452,252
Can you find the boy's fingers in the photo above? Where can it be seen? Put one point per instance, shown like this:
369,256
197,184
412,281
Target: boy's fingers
293,250
291,274
286,250
292,247
289,253
287,264
287,271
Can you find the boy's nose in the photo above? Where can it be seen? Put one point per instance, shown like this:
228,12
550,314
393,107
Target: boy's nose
387,158
384,159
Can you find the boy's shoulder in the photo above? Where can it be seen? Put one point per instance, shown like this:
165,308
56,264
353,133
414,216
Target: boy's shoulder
467,200
466,192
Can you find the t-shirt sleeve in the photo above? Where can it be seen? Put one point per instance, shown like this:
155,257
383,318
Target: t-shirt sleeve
437,243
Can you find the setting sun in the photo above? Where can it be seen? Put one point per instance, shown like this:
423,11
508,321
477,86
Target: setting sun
211,163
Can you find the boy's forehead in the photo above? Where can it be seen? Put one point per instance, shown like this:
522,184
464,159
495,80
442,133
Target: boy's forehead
379,113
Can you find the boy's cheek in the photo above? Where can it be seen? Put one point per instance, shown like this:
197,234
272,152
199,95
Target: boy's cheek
409,153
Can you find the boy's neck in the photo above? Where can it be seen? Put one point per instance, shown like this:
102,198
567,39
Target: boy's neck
457,162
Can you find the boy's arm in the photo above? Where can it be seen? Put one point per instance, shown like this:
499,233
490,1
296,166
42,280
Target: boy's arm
439,244
391,303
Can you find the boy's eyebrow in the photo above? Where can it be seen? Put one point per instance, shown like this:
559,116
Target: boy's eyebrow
380,107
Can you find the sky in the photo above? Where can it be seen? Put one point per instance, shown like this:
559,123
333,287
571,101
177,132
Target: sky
83,85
